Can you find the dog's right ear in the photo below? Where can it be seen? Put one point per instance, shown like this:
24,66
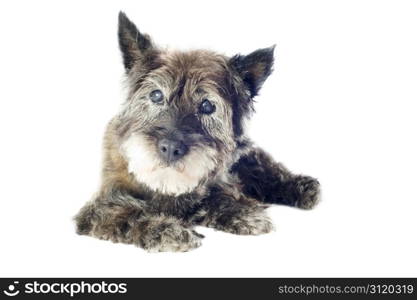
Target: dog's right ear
135,46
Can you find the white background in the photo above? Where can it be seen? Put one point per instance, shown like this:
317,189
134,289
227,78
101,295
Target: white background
340,106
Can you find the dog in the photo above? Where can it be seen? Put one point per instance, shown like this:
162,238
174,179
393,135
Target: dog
176,156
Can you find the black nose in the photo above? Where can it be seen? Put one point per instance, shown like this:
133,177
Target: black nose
172,150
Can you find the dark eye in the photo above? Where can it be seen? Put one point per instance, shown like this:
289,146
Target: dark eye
156,96
207,107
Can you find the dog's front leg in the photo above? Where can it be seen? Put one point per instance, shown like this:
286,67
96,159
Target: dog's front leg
119,217
222,211
268,181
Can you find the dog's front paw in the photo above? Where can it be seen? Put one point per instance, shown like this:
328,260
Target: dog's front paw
170,236
308,189
249,223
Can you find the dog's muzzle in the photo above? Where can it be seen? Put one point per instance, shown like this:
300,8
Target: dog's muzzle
172,150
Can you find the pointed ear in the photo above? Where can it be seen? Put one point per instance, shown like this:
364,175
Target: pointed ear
134,45
254,68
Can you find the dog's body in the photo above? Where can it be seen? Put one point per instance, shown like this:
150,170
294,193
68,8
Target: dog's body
176,156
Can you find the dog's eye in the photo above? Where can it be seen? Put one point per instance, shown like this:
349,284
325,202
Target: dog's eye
156,96
207,107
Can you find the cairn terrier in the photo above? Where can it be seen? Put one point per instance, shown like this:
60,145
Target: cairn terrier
177,156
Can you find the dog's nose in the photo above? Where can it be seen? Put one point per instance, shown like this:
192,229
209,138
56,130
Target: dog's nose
172,150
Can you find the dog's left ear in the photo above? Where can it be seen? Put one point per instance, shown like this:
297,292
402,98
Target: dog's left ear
254,68
135,46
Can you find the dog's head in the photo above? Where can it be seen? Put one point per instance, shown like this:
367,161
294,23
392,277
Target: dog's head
184,115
